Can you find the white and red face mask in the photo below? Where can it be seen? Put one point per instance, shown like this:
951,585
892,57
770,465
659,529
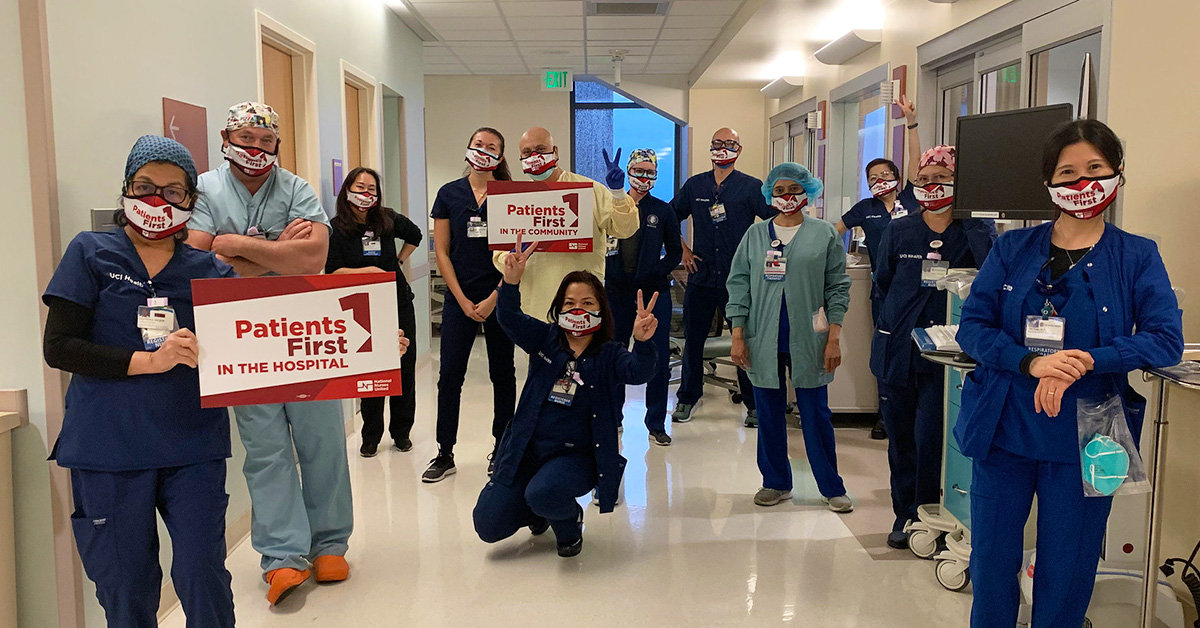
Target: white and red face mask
883,187
789,203
254,162
153,217
935,198
362,201
539,165
579,322
481,160
723,156
1087,197
642,183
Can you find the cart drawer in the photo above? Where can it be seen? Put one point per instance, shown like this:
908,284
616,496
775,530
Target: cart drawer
958,485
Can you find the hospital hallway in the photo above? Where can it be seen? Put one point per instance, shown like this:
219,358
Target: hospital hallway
686,547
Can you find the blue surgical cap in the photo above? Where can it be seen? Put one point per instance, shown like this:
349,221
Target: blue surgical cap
793,172
150,148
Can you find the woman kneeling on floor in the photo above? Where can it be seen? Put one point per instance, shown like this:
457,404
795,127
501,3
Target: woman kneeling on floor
562,442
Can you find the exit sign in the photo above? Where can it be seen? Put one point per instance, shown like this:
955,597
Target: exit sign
557,81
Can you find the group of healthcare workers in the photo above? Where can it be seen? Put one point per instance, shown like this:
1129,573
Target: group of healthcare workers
136,440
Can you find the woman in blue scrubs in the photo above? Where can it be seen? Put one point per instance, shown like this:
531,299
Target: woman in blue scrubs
563,439
1018,422
913,252
465,263
134,435
643,262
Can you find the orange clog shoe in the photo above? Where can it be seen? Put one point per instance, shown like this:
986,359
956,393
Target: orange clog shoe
331,568
283,582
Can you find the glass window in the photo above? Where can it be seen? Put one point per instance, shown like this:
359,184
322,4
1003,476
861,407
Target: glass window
956,103
778,152
800,152
1001,89
620,123
865,139
1057,73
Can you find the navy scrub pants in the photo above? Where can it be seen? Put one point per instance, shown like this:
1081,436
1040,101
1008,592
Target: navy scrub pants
545,490
816,421
458,335
1070,535
404,405
700,304
913,419
624,310
117,536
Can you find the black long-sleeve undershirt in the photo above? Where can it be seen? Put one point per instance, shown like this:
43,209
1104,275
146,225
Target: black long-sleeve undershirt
68,343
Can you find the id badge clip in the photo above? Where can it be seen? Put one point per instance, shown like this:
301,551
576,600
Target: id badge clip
156,321
371,245
563,392
476,227
717,212
932,270
1045,334
611,246
775,267
256,232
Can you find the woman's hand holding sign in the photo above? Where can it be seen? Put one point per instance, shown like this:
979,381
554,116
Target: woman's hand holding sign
514,262
645,323
179,348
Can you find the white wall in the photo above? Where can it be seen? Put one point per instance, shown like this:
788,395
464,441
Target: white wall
110,72
20,343
743,110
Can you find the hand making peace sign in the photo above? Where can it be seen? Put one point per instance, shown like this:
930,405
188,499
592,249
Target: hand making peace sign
514,262
614,174
645,323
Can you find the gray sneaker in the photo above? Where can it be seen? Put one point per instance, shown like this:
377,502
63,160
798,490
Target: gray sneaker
683,412
751,418
770,496
841,503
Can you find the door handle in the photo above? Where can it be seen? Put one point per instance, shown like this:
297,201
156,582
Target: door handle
959,490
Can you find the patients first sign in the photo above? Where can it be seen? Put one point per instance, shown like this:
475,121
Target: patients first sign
557,216
286,339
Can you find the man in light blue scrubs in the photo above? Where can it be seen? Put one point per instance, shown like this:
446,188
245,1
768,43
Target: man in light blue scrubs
263,220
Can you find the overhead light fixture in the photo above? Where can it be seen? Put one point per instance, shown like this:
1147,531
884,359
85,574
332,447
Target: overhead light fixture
782,86
848,46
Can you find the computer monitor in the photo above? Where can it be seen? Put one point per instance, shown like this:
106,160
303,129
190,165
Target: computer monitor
999,170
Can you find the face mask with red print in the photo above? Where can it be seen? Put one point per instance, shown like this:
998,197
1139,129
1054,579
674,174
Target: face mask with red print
153,217
1086,197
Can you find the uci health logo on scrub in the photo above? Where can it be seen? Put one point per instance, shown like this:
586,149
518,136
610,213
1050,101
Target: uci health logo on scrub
126,279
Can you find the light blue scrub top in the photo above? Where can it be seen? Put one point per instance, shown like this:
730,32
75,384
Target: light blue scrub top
226,206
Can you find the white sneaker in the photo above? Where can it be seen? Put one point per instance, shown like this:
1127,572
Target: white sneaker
841,503
770,496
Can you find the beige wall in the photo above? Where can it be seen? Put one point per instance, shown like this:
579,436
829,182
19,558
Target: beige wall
743,110
1154,112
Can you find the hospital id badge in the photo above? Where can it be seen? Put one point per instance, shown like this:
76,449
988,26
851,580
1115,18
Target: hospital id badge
611,246
899,212
256,232
775,267
563,392
1045,334
932,271
476,228
717,212
156,322
371,245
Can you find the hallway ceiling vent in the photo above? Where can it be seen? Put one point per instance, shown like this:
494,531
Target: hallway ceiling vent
620,8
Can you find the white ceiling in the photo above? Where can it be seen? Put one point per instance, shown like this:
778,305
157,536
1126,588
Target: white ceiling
526,36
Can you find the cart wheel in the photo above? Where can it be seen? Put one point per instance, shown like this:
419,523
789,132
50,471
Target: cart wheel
952,574
923,542
735,397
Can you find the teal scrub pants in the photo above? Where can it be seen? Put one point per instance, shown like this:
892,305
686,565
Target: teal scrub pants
297,514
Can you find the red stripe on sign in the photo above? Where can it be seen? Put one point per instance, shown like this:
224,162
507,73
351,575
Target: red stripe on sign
378,384
578,245
212,291
517,187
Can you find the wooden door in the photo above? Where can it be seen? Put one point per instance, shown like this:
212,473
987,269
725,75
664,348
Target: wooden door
353,129
279,92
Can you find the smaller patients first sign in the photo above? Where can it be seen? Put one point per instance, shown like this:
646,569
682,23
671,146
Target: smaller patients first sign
557,216
287,339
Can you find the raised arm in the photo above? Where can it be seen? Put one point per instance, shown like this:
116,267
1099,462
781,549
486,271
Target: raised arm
524,330
914,137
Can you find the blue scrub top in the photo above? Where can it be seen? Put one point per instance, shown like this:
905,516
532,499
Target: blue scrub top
658,250
872,215
715,243
472,260
145,421
563,430
226,206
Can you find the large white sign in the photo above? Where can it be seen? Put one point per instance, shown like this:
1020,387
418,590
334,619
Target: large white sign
557,216
285,339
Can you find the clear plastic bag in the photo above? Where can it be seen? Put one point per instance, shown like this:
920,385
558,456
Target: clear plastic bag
1108,455
958,281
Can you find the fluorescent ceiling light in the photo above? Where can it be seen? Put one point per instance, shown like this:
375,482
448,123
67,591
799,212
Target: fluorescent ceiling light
848,46
782,86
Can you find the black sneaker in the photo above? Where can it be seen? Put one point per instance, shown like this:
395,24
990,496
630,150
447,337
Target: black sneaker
439,468
660,438
368,451
568,550
878,432
539,527
402,445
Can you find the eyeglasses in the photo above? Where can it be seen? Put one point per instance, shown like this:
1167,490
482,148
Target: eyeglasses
727,144
173,194
643,174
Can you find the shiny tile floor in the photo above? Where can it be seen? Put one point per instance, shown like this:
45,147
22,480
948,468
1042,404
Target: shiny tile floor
687,547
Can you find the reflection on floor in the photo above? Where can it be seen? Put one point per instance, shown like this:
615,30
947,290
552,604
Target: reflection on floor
686,548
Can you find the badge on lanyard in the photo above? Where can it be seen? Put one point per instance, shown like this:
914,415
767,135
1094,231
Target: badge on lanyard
898,211
156,320
717,212
476,227
563,392
932,267
611,245
776,265
1045,334
371,245
256,232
